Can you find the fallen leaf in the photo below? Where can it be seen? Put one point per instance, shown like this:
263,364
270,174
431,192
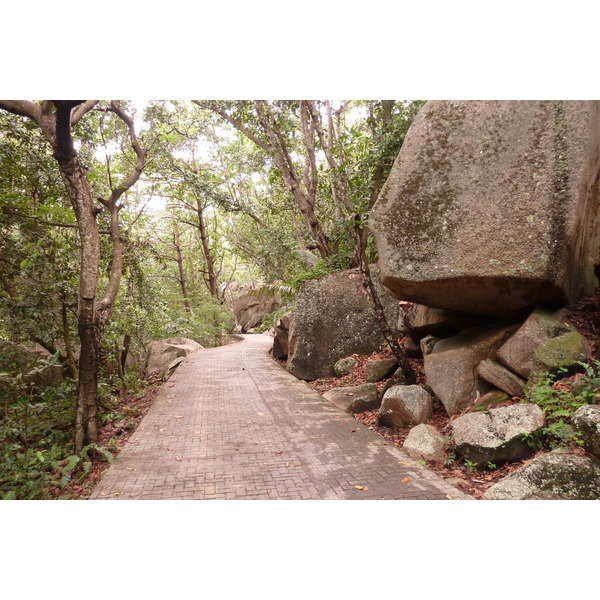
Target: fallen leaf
364,488
178,458
287,464
403,463
352,430
296,411
405,480
279,452
449,497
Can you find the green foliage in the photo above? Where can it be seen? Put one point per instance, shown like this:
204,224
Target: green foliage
559,402
471,466
450,458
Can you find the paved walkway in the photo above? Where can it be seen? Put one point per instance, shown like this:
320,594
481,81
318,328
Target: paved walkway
232,424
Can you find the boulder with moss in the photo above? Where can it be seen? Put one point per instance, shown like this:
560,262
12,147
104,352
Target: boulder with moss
333,318
559,354
502,198
586,421
553,476
497,435
354,399
541,325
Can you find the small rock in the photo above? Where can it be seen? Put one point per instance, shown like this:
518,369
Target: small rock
379,369
354,399
344,366
424,442
404,405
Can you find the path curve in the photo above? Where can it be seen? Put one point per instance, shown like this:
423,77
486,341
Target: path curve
231,423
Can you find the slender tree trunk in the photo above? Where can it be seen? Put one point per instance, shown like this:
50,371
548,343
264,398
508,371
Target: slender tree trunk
180,270
210,275
67,339
378,309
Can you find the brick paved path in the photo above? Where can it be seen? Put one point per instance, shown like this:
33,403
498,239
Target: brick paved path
233,424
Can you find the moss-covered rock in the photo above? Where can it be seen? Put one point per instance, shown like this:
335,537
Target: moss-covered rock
553,476
562,352
333,318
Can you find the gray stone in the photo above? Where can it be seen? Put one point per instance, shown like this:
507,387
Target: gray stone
491,206
552,476
586,421
281,336
450,367
354,399
376,370
344,366
424,442
496,435
501,377
541,325
405,405
418,321
251,309
161,355
333,318
45,376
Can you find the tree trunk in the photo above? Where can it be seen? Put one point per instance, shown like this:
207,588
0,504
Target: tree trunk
86,417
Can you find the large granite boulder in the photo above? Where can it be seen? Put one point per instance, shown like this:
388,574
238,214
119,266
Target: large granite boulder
552,476
405,405
354,399
491,206
497,435
450,368
163,356
333,318
251,309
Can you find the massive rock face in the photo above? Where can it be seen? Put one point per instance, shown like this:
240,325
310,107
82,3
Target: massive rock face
492,207
250,309
333,319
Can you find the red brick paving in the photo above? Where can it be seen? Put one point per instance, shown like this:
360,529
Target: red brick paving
231,424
